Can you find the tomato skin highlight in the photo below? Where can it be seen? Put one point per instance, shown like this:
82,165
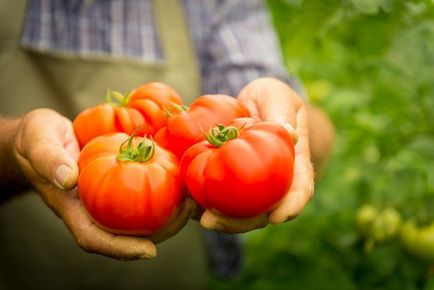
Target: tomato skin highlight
244,177
185,128
146,107
128,197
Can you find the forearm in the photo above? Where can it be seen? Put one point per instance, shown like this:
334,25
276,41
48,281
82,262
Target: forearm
322,134
12,179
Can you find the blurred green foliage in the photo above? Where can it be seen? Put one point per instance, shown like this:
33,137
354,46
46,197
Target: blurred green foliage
370,65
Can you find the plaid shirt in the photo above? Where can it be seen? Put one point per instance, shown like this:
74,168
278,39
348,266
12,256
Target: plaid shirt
234,39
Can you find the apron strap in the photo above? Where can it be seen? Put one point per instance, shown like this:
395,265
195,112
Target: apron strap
178,48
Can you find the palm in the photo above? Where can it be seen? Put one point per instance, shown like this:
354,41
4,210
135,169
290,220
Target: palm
271,100
45,140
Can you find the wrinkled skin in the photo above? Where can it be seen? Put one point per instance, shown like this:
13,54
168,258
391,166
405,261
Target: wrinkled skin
45,150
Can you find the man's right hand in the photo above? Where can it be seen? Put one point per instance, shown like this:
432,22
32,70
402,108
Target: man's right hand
46,150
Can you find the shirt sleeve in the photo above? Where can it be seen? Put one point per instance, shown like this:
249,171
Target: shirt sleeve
236,43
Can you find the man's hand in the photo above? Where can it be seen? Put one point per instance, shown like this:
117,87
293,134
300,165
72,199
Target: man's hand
46,150
269,99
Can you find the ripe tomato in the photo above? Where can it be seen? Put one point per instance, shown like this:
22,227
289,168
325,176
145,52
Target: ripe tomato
129,187
242,170
146,106
186,127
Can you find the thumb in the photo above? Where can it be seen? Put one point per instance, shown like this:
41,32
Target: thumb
53,163
269,99
46,143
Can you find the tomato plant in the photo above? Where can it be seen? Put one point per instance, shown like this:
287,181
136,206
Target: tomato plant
241,170
372,71
146,106
377,225
186,126
128,184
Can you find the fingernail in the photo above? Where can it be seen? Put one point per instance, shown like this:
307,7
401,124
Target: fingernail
219,227
212,224
288,127
290,217
216,227
61,175
149,254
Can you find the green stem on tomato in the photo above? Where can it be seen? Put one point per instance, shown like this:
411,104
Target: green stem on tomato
179,108
221,134
168,113
117,99
142,153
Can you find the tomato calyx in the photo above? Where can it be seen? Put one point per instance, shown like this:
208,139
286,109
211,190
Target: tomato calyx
179,108
142,153
221,134
117,99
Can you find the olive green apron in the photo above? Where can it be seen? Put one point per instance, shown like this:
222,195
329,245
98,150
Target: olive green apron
36,250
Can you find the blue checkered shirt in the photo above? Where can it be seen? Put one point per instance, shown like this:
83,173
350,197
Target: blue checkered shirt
234,39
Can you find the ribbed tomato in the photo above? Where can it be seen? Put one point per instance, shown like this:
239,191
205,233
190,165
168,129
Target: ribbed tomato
186,127
129,185
147,106
242,170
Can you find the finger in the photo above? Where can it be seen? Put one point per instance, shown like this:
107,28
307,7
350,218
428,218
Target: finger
47,142
95,240
302,187
213,221
185,212
283,108
293,203
291,130
269,99
279,104
71,143
301,190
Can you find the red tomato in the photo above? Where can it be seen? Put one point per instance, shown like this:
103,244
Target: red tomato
240,172
146,106
132,191
186,127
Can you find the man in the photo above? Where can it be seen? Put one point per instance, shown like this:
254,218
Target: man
64,57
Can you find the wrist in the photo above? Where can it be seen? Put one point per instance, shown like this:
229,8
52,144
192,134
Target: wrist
12,178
